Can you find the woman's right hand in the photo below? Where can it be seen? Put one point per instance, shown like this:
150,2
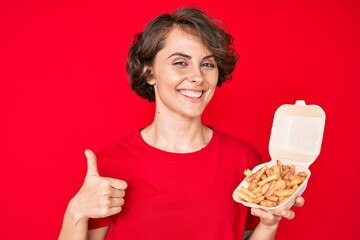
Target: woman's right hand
98,196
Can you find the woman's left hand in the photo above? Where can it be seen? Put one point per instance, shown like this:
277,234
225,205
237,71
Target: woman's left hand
269,219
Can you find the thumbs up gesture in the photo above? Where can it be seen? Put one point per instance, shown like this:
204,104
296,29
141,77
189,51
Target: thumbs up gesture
98,196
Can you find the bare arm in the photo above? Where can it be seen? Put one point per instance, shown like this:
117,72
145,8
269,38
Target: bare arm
74,228
265,232
98,234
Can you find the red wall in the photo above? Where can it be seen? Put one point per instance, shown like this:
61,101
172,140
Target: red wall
63,88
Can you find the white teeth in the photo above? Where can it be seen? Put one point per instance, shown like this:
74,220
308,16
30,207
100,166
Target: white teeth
192,94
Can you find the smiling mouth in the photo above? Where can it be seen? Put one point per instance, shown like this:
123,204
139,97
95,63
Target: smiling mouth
191,93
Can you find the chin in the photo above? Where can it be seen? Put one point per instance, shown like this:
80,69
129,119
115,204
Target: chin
193,114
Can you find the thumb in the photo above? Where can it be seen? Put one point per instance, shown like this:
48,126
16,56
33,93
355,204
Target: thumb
91,163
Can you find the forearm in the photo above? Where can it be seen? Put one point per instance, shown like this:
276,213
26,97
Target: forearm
73,227
264,232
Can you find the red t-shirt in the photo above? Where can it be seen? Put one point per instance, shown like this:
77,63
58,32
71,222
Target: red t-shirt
178,195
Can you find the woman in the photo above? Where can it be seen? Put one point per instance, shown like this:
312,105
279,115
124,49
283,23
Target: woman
178,174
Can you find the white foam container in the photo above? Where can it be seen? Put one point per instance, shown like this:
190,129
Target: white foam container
295,139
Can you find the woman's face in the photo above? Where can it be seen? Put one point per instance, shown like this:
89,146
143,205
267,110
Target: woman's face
185,75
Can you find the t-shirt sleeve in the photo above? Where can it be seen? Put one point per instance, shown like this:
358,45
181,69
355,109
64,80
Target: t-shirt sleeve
251,221
100,222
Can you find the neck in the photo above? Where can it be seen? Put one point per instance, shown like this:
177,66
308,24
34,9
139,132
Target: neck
180,135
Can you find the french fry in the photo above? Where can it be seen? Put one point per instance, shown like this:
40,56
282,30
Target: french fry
265,188
280,185
257,190
302,174
267,203
285,193
268,179
251,177
247,192
292,169
243,196
280,165
285,172
259,199
260,172
267,172
273,198
271,190
248,172
296,181
252,186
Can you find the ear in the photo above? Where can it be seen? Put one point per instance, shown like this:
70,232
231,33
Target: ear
148,70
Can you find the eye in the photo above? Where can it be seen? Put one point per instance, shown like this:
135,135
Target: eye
208,65
180,62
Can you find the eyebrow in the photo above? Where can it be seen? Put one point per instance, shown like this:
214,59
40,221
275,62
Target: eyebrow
188,56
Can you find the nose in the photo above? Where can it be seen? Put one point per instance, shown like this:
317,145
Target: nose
195,76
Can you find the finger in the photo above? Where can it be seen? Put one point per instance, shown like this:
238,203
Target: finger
262,214
117,193
91,163
113,211
288,214
116,202
117,183
299,201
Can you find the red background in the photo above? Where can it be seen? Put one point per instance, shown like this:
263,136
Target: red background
64,88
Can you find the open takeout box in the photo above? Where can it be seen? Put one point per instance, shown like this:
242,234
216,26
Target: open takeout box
295,139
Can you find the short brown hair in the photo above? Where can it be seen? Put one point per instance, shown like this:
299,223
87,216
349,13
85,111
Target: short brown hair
147,44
